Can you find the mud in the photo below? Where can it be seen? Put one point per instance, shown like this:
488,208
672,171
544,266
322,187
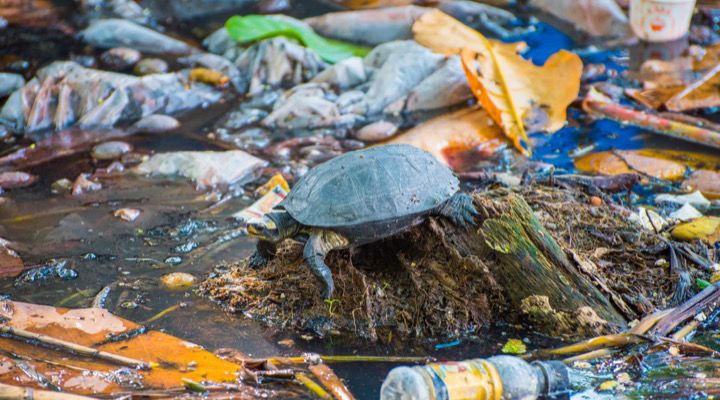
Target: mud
437,280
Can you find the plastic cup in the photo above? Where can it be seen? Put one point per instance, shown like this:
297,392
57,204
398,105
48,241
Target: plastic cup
661,20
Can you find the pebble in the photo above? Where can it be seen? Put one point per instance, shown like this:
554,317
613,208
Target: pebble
596,201
120,58
150,66
156,123
9,180
177,280
85,61
376,132
110,150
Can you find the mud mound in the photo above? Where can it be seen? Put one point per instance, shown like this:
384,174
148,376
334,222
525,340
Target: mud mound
437,280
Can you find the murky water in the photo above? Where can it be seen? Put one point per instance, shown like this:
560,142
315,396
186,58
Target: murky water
177,232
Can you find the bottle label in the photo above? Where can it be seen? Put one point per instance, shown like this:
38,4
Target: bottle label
460,381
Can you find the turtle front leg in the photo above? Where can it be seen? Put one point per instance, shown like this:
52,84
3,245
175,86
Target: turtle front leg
319,244
264,252
459,209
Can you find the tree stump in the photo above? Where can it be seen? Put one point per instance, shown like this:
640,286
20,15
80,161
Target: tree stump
435,280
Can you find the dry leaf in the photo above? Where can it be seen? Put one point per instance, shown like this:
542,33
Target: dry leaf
512,89
448,136
176,358
703,93
649,163
706,181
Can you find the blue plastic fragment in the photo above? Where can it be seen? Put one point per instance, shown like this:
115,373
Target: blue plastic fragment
446,345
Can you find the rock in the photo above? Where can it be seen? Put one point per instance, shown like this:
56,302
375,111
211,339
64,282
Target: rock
177,280
9,180
10,83
120,58
83,185
109,33
695,198
64,94
600,18
376,132
205,168
110,150
685,213
156,123
123,9
150,66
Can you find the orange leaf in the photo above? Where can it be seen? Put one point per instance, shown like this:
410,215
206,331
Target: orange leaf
515,92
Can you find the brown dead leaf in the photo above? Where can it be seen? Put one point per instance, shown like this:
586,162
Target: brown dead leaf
175,358
624,162
510,88
11,265
703,93
681,84
706,181
450,135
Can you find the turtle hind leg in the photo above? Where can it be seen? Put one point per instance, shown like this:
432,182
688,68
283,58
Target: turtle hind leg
459,209
318,245
264,252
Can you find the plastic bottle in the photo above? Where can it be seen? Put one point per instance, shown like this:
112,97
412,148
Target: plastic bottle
494,378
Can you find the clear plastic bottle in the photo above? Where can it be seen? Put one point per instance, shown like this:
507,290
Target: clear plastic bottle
494,378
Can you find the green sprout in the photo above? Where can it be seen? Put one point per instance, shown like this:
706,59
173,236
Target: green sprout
331,305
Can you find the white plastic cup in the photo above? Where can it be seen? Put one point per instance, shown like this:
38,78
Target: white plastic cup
661,20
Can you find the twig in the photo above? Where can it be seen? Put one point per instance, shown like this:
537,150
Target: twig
344,359
312,386
11,392
596,103
686,330
162,313
74,347
327,377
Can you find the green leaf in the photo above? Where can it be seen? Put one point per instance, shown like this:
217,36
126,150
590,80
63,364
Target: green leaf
702,283
252,28
514,346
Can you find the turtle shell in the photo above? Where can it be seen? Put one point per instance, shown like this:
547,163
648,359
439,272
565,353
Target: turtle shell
371,185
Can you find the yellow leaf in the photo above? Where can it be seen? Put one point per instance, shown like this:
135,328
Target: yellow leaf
449,136
513,90
703,228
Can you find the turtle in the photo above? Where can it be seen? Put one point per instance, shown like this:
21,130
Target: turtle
358,198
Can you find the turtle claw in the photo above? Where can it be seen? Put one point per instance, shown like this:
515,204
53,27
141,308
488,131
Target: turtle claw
460,210
327,292
257,261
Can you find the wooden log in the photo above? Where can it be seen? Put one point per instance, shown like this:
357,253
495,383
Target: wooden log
531,263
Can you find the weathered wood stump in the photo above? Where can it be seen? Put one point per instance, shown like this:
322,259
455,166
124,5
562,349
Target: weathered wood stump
435,280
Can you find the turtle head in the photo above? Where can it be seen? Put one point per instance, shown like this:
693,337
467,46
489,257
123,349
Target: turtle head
274,227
